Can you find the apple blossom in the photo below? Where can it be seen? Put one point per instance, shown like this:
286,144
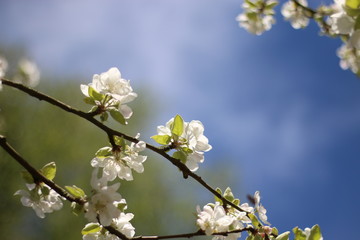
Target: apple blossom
41,198
260,208
120,162
28,73
118,91
213,219
295,14
257,16
185,137
103,204
349,58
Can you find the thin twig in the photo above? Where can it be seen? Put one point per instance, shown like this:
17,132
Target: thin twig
37,176
111,132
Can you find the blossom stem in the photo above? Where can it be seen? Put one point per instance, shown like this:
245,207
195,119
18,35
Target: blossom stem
37,176
111,133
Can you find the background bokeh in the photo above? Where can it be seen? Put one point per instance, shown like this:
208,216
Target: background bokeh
281,115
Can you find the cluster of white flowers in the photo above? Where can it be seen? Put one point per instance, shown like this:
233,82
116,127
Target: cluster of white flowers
120,162
117,90
214,218
189,141
41,198
106,206
28,73
296,15
343,22
258,16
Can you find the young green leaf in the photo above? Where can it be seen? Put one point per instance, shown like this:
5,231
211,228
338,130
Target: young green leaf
177,126
104,152
181,156
95,95
162,139
228,195
89,100
117,116
299,234
354,4
104,116
91,228
315,233
49,170
75,191
283,236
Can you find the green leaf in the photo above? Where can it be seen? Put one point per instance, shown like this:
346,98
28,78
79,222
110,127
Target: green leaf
27,177
228,195
104,152
49,170
75,191
255,222
216,198
236,202
45,191
91,228
162,139
117,116
89,100
315,233
180,155
95,95
354,4
299,234
283,236
104,116
274,231
187,150
177,127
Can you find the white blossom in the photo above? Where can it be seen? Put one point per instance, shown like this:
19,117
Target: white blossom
192,138
110,83
100,235
257,17
123,224
28,73
349,58
103,204
341,23
121,162
295,14
260,208
41,198
213,219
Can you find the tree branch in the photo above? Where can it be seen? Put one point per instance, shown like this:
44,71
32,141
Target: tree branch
111,133
194,234
35,173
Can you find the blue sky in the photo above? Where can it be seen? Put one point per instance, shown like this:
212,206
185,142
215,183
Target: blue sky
278,104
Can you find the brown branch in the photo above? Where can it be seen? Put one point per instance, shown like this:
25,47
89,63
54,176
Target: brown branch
194,234
37,176
111,133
